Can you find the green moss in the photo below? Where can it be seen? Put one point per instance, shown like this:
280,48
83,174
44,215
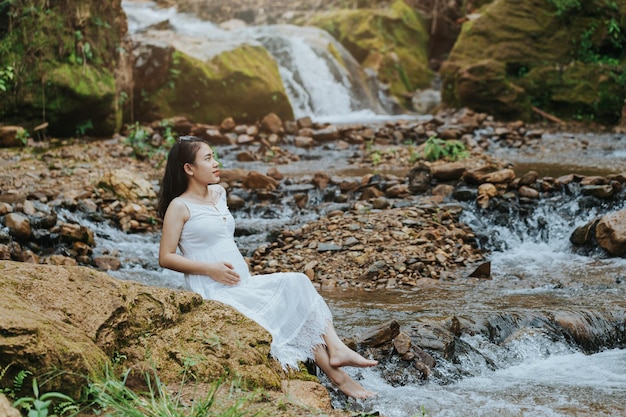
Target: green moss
541,48
44,36
243,83
393,42
335,53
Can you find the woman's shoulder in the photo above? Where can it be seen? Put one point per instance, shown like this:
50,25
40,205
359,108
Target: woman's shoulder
217,187
177,209
219,190
178,204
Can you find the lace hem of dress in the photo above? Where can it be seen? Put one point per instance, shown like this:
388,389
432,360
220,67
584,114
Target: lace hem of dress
302,346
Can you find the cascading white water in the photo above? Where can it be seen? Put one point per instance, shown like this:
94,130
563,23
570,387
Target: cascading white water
317,83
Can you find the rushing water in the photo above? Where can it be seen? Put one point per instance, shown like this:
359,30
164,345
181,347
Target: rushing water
534,268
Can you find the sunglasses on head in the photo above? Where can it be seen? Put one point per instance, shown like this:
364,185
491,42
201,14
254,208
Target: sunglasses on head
188,138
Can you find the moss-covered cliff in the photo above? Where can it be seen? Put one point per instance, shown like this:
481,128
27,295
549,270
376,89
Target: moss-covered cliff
58,62
566,58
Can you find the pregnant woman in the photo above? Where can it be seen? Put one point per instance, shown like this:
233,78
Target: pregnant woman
198,240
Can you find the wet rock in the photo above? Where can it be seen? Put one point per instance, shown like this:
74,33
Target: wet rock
482,271
304,122
402,344
584,234
464,194
419,179
5,208
246,156
257,181
18,225
72,232
611,233
599,191
529,178
528,192
304,141
329,134
328,247
381,334
433,337
499,177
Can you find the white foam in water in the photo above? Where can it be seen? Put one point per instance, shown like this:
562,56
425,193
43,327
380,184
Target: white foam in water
571,384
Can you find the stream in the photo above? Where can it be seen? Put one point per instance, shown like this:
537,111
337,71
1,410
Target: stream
535,271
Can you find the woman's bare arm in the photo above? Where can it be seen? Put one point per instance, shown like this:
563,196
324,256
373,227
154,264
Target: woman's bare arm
175,217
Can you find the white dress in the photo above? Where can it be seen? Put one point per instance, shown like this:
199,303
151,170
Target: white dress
286,304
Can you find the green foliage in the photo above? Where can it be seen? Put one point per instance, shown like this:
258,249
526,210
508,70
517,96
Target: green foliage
174,72
139,139
39,404
18,381
82,128
601,27
148,146
6,77
565,7
436,148
376,158
168,134
111,395
122,98
22,136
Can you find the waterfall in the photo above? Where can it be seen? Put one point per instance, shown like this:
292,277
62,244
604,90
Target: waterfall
319,84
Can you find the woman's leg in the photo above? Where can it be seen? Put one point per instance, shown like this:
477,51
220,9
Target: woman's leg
341,355
339,377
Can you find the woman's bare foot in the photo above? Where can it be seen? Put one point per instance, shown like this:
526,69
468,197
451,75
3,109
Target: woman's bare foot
339,377
353,389
348,357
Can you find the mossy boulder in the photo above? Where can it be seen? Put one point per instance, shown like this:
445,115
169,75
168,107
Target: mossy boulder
62,58
392,41
77,321
564,58
243,83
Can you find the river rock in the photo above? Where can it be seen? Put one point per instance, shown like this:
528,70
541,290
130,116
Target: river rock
451,171
419,178
599,191
528,192
329,134
271,123
381,334
402,343
611,233
18,225
257,181
127,186
433,337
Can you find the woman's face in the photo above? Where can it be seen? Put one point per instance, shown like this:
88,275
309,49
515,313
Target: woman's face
205,168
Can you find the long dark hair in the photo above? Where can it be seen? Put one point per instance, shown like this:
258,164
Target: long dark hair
175,180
